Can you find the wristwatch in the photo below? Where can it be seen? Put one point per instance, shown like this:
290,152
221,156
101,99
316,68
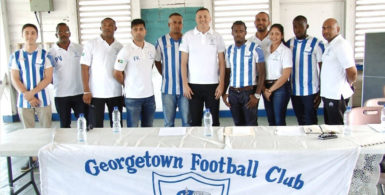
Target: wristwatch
257,95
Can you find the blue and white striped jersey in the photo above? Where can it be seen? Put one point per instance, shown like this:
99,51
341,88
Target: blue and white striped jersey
307,53
31,67
167,51
242,62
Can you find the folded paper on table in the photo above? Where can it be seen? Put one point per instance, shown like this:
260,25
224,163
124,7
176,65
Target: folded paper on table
172,131
290,131
332,128
377,127
239,131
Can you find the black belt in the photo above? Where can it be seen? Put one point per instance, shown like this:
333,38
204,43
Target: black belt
270,81
247,88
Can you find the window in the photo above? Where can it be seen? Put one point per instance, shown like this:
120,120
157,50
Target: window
226,12
92,12
370,17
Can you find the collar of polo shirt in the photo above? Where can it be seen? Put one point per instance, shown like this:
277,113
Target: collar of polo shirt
196,31
338,37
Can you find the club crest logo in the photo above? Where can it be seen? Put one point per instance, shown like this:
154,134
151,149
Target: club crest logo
189,184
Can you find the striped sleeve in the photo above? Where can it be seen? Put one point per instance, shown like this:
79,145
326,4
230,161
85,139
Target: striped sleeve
227,57
49,61
12,62
319,51
260,57
158,55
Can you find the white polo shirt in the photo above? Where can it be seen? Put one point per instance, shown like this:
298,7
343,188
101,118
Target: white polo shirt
137,64
101,58
263,43
338,56
67,78
203,52
280,59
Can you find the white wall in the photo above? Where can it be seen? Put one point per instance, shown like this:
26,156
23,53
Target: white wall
18,13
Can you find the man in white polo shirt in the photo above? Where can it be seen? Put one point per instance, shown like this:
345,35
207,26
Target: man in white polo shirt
337,74
262,22
203,60
167,62
99,85
67,78
133,69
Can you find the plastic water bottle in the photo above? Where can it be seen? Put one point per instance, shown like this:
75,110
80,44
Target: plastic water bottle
208,121
116,128
347,127
383,116
82,129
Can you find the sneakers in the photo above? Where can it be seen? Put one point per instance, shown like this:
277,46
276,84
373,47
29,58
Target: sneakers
26,167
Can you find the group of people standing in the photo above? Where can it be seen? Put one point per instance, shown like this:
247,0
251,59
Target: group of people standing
197,70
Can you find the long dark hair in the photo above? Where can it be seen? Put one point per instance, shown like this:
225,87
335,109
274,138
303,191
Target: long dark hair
280,28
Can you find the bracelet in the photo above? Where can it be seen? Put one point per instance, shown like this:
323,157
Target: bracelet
87,92
257,95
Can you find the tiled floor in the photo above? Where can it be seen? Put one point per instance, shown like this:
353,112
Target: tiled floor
18,162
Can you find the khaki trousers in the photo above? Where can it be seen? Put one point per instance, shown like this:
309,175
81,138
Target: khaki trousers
44,115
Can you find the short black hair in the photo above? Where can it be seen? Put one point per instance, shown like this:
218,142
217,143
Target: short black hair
238,22
300,18
268,16
61,24
29,25
136,22
175,14
108,18
202,9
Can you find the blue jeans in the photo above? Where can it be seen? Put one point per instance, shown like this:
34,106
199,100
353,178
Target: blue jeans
303,107
277,106
170,103
242,116
140,108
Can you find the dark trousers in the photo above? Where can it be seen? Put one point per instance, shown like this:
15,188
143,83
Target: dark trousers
334,110
277,106
242,116
96,113
304,110
65,104
203,95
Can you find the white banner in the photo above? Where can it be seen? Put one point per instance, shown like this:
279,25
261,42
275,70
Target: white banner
84,169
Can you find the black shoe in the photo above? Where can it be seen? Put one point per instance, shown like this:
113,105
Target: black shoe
26,167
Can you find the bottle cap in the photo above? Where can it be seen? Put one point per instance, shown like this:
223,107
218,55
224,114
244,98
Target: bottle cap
115,108
81,115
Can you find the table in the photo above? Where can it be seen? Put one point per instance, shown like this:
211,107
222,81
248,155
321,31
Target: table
27,142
